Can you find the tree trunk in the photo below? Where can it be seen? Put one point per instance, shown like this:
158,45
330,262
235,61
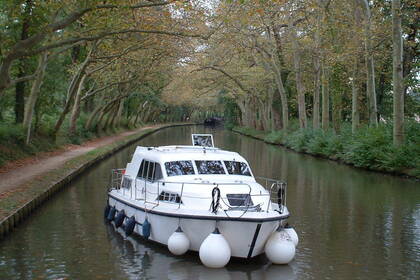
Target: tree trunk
336,111
76,106
119,113
109,117
325,99
373,110
382,90
66,109
115,115
38,116
244,114
101,125
137,117
370,67
143,113
20,93
315,112
146,116
74,85
92,117
274,62
317,68
271,115
277,123
259,122
139,111
397,74
33,96
20,86
283,99
71,92
298,78
355,116
280,87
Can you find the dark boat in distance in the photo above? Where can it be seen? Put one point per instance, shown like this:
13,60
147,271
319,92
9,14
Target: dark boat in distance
213,121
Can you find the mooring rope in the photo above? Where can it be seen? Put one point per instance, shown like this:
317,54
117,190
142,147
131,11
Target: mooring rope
215,202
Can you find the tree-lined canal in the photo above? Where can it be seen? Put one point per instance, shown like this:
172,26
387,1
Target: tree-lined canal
352,224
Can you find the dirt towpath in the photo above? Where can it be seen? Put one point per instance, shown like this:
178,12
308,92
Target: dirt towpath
16,173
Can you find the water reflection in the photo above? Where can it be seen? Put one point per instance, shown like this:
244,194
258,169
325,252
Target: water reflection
142,259
352,224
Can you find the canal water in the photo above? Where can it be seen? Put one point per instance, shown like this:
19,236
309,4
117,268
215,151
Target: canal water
352,224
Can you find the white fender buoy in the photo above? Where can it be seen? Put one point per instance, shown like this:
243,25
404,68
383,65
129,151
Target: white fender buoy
292,233
215,250
178,242
280,248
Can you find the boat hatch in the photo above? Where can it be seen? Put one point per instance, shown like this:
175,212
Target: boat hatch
240,199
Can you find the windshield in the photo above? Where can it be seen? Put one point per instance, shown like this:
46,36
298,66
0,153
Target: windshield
237,168
175,168
209,167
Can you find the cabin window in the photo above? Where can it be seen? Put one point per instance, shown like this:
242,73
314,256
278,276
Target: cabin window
209,167
237,168
176,168
143,169
158,172
126,183
150,171
170,197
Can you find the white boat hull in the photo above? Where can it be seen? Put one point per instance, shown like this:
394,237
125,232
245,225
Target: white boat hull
246,236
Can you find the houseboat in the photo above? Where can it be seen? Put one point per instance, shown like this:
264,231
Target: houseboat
203,199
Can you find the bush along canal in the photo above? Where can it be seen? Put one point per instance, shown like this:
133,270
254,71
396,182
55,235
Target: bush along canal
352,224
370,148
20,201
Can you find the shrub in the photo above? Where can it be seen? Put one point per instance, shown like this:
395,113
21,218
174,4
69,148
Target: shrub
369,147
275,137
298,140
250,131
11,133
229,126
318,143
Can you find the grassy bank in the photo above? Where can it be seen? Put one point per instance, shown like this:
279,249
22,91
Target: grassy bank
369,148
15,205
13,146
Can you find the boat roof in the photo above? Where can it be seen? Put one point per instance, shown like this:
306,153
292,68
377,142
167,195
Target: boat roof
176,153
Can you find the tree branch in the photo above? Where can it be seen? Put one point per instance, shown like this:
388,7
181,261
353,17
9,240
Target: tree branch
107,86
23,79
107,34
236,81
20,49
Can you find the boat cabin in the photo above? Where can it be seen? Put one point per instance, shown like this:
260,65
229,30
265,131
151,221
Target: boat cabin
187,163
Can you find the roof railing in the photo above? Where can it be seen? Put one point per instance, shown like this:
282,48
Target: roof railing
276,190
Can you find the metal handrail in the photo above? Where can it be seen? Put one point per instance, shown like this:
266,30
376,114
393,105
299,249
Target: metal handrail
276,188
116,178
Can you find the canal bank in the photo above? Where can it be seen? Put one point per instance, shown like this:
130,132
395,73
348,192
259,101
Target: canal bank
352,224
22,199
300,142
